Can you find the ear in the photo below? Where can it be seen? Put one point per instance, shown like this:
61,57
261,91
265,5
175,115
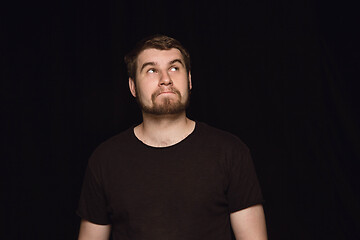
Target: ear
190,83
132,86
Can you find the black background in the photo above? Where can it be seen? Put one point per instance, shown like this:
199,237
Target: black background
280,74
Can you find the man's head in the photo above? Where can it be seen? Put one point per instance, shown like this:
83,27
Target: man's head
160,42
159,75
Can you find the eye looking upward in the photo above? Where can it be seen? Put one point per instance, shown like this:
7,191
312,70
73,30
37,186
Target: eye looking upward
174,69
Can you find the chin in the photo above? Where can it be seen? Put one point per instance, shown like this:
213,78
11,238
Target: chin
167,107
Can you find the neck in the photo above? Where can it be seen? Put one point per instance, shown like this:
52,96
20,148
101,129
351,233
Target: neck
164,130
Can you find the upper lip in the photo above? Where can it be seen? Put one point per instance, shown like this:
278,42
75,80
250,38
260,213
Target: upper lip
166,91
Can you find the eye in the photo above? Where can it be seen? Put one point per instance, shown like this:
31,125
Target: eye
174,69
151,70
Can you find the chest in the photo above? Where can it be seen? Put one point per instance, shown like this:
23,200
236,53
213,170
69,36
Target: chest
162,186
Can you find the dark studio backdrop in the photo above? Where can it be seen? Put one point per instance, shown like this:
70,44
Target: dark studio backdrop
282,75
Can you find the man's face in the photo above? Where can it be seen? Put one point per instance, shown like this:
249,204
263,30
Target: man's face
162,82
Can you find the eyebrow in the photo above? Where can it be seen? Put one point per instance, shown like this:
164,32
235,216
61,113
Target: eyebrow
147,64
154,63
177,60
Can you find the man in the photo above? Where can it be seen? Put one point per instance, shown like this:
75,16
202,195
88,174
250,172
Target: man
170,177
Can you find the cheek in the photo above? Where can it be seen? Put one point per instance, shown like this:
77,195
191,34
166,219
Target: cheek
184,85
180,79
145,90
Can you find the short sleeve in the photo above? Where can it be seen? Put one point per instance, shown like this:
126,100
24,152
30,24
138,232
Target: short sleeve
243,189
92,203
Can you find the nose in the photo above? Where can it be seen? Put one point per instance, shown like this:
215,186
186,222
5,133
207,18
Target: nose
165,79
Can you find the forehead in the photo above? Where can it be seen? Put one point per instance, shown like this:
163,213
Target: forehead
158,56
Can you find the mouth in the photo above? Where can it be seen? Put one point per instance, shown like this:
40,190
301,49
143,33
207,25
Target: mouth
166,92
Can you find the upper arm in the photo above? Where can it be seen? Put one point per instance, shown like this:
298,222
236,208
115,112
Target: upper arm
249,223
91,231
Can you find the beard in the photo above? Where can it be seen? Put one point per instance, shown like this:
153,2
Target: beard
166,105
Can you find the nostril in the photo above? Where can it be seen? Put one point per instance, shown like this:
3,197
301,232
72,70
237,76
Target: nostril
165,80
166,83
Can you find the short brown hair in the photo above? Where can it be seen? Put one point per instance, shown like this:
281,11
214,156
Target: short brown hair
160,42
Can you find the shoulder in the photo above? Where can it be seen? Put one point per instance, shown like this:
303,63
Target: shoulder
220,138
231,151
117,141
111,148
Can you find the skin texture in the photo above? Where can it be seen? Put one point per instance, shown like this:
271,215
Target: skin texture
91,231
162,82
249,223
162,89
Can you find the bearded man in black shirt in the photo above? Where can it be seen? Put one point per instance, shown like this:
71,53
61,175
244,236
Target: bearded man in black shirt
170,177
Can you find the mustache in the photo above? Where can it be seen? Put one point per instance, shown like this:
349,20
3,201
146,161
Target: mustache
170,89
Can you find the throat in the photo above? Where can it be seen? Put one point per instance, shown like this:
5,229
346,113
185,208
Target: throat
165,136
160,143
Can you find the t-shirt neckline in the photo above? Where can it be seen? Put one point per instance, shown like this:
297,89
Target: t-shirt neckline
183,141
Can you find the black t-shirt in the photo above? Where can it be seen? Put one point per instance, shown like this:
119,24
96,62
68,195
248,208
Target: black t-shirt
185,191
